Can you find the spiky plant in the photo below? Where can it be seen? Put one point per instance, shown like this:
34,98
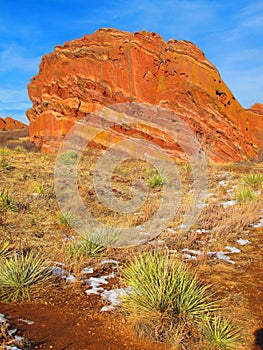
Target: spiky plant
255,180
163,287
245,194
221,334
20,275
8,201
154,179
4,249
69,157
84,247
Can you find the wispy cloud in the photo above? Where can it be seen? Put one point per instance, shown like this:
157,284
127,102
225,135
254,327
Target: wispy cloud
13,58
14,102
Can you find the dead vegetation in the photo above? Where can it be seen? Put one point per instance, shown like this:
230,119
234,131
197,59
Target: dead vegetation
31,220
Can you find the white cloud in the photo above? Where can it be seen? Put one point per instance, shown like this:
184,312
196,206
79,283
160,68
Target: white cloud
13,58
14,103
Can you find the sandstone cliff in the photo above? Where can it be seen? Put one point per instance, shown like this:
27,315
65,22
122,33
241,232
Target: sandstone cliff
112,66
11,124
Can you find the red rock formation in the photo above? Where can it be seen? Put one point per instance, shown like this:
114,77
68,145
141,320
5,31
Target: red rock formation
111,66
11,124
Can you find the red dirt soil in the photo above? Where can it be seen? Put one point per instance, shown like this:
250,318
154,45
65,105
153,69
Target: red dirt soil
73,321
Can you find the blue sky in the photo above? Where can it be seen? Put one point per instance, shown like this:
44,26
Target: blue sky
230,33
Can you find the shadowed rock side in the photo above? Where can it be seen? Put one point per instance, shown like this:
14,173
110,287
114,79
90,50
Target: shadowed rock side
112,66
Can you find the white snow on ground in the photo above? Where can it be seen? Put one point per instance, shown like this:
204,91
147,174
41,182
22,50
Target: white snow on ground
193,254
232,250
242,241
109,261
229,203
15,339
87,270
113,296
96,284
222,183
259,224
62,273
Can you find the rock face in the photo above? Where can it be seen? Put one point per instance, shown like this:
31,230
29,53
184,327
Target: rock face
11,124
111,66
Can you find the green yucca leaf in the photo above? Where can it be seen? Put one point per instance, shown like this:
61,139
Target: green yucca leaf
20,274
4,249
221,333
254,180
161,284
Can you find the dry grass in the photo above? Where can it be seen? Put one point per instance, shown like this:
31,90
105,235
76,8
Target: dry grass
36,225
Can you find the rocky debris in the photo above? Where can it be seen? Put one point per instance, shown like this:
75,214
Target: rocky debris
110,67
8,124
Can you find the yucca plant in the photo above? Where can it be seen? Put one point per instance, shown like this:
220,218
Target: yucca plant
8,201
254,180
84,247
4,249
245,194
220,333
162,287
4,151
20,275
154,179
67,219
69,157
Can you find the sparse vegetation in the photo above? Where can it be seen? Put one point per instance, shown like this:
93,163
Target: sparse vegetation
255,180
165,295
154,179
42,227
20,275
8,201
245,194
84,247
68,158
221,334
4,151
4,249
40,188
19,149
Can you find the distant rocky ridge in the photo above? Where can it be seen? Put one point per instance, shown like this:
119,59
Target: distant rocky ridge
8,124
112,66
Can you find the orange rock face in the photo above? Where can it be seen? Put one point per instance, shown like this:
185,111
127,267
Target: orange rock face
110,67
11,124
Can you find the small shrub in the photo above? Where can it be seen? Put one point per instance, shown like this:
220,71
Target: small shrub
4,151
67,219
19,149
245,194
4,164
221,334
254,180
164,294
8,202
68,158
84,248
20,275
154,179
40,188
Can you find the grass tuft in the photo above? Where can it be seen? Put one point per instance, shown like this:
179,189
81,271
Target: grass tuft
165,294
68,158
4,249
221,334
84,248
154,179
20,275
245,194
254,180
8,202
